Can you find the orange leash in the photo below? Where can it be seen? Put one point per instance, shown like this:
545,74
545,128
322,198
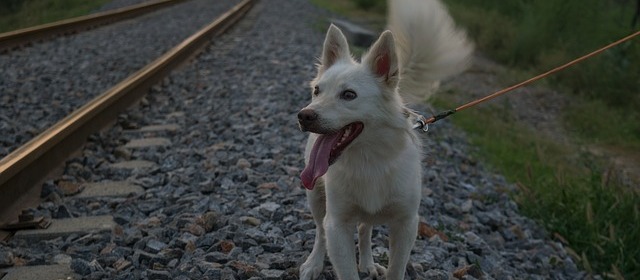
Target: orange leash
424,123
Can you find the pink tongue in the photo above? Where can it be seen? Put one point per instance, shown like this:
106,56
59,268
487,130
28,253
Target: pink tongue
318,159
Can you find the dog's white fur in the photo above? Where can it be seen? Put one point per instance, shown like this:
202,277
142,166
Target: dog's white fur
377,179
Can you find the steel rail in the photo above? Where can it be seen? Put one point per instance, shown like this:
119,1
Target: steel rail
23,171
23,36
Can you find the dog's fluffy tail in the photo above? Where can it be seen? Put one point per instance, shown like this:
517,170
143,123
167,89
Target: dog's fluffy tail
430,47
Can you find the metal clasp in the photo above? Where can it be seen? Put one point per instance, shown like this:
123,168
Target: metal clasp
421,123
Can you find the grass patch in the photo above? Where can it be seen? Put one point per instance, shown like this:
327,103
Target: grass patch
562,189
15,14
604,125
536,36
370,12
481,24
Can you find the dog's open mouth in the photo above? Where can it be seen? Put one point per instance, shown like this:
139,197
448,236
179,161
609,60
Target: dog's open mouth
326,151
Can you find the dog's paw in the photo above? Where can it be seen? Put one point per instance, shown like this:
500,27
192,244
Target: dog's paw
310,270
375,270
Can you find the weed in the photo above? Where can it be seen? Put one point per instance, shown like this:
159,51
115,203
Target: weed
21,14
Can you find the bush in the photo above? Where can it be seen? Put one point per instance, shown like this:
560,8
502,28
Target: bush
539,35
9,6
367,5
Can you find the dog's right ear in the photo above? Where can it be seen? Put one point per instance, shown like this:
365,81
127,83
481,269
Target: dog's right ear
335,48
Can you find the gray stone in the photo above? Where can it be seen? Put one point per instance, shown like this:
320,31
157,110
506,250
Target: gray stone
62,259
141,257
62,212
155,246
122,152
250,220
466,206
158,275
268,208
217,257
81,267
452,208
212,220
6,258
272,274
436,274
213,273
277,261
243,163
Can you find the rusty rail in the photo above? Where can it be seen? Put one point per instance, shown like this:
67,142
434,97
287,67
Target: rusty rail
23,171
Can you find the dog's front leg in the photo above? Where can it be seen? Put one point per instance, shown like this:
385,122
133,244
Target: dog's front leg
402,236
341,247
312,267
366,263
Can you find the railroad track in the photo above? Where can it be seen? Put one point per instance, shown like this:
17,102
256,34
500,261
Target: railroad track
16,38
24,170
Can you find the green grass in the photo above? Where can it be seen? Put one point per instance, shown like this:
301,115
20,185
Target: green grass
370,12
604,125
536,36
564,190
15,14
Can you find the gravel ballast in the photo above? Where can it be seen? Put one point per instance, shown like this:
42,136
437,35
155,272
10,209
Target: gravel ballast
223,200
42,83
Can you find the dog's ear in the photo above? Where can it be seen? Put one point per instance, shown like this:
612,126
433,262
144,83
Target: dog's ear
335,48
382,59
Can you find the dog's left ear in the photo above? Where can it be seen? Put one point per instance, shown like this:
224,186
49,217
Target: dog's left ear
382,59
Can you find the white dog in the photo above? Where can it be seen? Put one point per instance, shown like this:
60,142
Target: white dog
363,159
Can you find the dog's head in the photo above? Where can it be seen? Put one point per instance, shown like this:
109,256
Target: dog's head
347,97
344,91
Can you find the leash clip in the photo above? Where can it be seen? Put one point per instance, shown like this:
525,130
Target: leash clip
421,123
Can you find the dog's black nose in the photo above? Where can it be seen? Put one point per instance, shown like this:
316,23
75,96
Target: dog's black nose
307,116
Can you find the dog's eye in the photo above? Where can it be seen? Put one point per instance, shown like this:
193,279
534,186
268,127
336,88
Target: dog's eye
316,91
348,95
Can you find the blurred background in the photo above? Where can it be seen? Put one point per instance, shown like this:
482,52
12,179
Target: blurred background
581,181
